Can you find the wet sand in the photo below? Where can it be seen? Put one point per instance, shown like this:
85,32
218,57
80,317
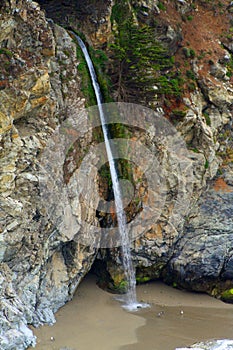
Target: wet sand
94,320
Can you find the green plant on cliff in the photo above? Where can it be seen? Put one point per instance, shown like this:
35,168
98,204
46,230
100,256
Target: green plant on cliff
161,6
207,118
229,66
227,295
140,68
99,60
142,279
6,52
86,85
121,287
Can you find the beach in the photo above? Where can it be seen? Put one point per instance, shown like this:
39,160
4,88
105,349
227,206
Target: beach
94,319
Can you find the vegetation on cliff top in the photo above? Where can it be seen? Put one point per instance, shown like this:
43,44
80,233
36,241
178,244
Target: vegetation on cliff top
141,66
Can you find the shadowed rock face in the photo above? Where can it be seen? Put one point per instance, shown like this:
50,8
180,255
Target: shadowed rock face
88,16
203,257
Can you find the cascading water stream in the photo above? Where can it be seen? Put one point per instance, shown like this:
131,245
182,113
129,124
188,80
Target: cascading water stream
131,300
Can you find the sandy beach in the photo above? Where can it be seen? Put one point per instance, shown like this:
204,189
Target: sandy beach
94,319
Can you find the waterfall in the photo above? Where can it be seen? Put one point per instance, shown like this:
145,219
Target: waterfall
130,298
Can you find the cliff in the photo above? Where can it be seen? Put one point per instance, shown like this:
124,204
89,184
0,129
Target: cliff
185,78
39,88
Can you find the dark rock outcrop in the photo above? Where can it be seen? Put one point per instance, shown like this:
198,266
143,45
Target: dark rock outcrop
202,260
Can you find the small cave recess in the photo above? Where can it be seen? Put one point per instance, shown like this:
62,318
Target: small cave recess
80,14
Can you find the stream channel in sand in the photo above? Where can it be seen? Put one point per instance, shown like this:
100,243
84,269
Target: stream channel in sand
95,320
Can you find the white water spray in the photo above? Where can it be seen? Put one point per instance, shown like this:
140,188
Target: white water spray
130,300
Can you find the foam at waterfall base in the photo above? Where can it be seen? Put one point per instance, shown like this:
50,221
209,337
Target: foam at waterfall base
135,306
131,306
221,344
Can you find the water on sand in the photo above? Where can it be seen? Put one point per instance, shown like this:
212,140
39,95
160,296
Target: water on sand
95,320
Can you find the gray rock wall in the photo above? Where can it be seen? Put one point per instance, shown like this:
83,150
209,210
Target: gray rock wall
39,89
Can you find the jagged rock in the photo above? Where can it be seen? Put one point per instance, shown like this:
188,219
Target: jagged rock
146,6
183,6
84,16
14,330
42,87
206,264
219,71
225,344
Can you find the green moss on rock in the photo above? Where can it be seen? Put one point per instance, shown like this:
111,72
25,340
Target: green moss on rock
150,273
121,287
227,295
142,279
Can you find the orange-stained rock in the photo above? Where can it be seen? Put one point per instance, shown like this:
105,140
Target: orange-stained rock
221,186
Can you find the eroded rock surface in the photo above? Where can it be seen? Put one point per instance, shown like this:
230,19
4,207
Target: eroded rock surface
39,89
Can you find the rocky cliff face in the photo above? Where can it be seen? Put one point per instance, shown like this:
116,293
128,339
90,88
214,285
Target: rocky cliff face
40,267
42,256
